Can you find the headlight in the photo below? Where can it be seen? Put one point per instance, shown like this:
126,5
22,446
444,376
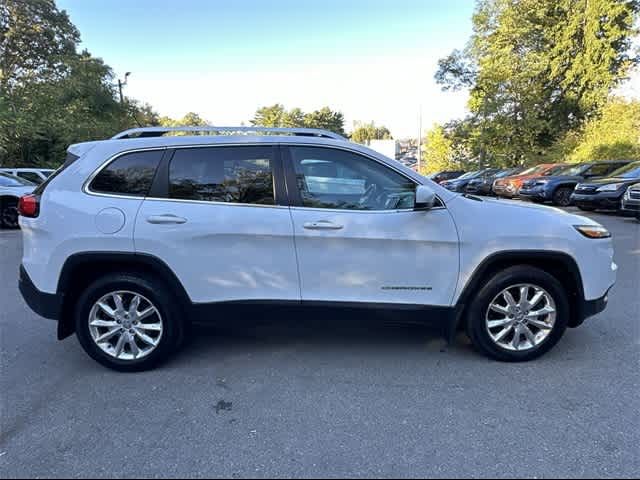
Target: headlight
612,187
542,182
593,231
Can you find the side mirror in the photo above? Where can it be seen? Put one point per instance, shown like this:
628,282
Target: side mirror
425,198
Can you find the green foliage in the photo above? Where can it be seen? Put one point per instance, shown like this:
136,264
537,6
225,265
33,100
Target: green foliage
437,151
277,116
537,69
614,135
365,132
51,95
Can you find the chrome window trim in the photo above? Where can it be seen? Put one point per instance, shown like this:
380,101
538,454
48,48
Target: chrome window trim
370,157
87,190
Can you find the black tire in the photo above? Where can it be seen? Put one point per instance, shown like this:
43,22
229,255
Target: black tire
586,209
562,196
151,289
9,213
476,324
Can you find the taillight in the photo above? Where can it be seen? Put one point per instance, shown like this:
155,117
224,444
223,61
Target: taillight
29,206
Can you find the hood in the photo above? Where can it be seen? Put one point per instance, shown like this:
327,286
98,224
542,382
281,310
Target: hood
559,178
607,180
500,209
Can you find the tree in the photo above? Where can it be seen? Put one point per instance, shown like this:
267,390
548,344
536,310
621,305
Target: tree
279,117
325,119
438,152
51,95
538,68
613,135
35,39
365,132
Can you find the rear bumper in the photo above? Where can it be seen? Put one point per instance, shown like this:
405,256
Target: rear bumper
603,200
46,305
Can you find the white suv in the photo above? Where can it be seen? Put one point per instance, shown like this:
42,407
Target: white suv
137,236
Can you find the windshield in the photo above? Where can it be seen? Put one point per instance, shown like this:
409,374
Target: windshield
467,175
554,170
573,171
628,171
11,181
508,173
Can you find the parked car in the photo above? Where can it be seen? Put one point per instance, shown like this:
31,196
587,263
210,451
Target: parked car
446,175
631,200
33,175
484,185
137,235
11,189
606,193
558,188
460,184
509,187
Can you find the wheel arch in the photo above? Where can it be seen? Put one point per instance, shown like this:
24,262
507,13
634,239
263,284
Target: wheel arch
82,269
560,265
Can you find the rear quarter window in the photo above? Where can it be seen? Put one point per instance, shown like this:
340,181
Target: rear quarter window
130,174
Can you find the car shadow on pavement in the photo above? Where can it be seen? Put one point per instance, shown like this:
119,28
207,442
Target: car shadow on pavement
365,332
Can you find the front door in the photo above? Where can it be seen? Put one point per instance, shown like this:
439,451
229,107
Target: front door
358,238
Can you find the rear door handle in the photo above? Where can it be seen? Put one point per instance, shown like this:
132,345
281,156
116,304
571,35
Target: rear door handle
166,219
322,225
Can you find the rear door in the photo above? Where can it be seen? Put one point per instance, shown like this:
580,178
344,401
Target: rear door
218,218
358,237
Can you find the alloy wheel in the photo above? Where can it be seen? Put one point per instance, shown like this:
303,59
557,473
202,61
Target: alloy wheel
521,317
125,325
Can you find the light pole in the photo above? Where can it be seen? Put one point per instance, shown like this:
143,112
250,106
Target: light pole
420,139
122,84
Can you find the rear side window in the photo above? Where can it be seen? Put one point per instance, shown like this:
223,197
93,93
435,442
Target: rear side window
223,174
130,174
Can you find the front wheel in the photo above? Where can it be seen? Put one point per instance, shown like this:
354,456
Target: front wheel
128,322
9,214
562,196
519,315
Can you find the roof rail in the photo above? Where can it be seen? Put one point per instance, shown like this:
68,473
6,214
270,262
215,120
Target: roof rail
160,131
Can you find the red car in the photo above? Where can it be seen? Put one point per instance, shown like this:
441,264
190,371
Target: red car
509,187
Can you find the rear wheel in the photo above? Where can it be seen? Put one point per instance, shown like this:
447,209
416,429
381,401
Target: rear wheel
562,196
519,315
128,322
9,213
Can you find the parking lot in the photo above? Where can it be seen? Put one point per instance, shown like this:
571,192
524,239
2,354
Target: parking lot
315,398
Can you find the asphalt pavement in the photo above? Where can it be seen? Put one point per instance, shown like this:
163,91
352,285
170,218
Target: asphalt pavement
325,399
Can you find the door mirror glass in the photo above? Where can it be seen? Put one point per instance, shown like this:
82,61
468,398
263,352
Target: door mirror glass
425,198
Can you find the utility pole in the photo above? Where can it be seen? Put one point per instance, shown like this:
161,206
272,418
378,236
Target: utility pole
420,139
122,84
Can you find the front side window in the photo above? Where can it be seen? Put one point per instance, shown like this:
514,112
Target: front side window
628,171
130,174
223,174
337,179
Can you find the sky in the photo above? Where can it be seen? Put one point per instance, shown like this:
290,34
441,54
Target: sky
369,59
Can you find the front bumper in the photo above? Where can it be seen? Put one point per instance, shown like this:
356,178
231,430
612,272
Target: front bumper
46,305
505,191
631,205
534,193
589,308
479,189
602,200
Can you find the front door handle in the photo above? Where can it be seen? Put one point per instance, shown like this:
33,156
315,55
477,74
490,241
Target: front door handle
166,219
322,225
